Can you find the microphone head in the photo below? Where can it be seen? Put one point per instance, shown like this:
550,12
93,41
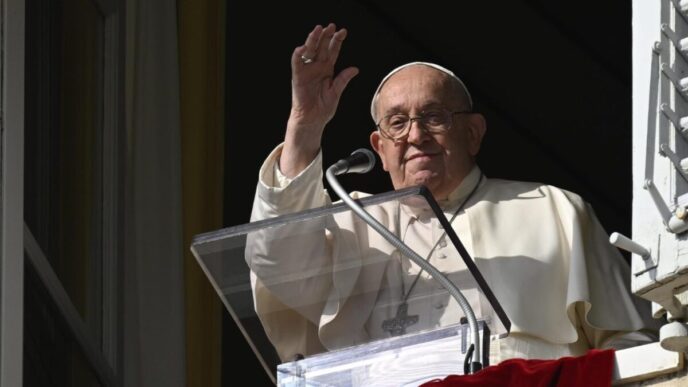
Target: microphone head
362,160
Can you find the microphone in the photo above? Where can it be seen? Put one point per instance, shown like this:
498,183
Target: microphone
360,161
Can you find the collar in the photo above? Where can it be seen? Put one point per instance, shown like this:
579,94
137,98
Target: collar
455,198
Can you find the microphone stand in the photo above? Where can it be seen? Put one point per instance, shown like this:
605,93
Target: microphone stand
475,366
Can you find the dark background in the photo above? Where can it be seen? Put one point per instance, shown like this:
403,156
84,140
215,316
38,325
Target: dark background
553,80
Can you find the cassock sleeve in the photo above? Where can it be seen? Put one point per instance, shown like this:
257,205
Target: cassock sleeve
290,266
318,279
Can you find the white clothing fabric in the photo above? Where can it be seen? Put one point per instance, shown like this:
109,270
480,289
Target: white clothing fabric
540,249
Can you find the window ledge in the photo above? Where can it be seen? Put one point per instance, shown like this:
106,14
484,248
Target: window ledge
646,362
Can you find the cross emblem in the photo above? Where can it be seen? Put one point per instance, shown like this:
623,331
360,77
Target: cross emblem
397,325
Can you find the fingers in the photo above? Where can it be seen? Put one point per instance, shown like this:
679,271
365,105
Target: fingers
310,47
335,45
343,78
297,57
320,53
322,44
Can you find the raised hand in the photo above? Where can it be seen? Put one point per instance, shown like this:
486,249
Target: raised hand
315,96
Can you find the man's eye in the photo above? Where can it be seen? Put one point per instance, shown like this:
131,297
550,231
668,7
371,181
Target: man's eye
397,122
434,118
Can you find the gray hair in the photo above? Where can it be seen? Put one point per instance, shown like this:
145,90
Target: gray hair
436,67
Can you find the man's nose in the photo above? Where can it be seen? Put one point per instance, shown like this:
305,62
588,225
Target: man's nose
417,133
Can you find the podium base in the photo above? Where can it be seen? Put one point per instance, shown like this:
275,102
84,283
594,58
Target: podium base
406,360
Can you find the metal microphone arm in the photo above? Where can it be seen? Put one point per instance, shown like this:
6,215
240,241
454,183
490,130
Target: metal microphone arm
475,366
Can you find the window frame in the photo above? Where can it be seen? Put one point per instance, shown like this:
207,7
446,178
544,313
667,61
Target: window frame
12,191
104,357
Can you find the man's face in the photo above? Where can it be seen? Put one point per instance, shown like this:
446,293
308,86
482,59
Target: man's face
440,161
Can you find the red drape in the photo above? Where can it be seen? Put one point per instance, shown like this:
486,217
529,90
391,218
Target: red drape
593,370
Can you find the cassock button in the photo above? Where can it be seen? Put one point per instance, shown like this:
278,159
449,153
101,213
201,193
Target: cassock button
441,255
439,305
443,242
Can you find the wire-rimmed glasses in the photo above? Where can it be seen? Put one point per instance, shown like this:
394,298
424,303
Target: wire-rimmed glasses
397,126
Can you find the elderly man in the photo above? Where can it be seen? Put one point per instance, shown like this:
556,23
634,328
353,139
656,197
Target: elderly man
540,248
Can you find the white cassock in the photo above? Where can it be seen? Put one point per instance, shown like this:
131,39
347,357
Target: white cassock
541,250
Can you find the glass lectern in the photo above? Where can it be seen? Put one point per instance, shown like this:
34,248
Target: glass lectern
324,300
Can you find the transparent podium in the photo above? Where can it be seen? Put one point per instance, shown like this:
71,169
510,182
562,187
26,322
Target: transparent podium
324,300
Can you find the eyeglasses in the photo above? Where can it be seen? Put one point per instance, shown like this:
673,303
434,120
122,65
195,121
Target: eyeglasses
397,127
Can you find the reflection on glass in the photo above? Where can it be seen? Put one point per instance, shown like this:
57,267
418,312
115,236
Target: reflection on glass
51,355
323,280
63,178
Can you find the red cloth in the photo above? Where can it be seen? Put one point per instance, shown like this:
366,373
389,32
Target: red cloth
593,369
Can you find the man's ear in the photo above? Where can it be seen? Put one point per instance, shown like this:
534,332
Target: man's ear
378,145
476,131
